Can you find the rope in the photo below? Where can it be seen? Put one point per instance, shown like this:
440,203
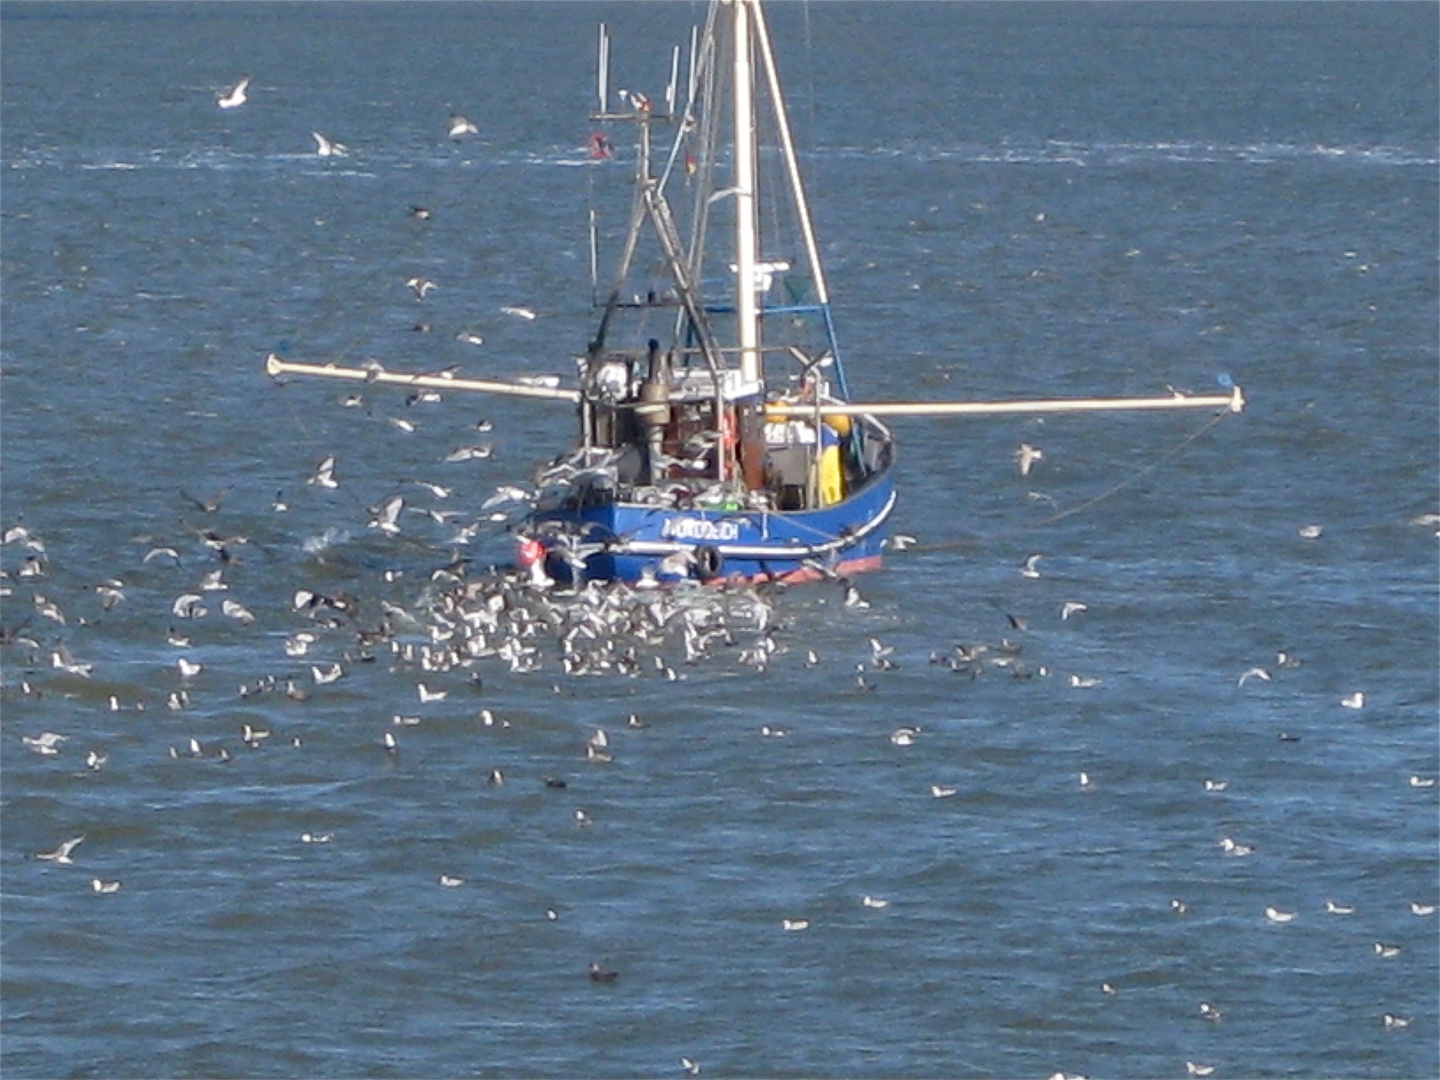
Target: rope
1088,503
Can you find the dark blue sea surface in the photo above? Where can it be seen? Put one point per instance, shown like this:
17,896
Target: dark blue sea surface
1013,200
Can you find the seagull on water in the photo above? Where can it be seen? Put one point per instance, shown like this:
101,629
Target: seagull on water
874,902
1338,909
1354,701
794,924
1275,915
1029,569
236,97
1194,1069
1422,909
1254,673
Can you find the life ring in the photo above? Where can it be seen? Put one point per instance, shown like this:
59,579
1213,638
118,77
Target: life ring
708,562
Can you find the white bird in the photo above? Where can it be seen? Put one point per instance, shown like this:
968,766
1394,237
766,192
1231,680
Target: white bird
1029,569
451,882
1230,847
1422,909
386,516
1216,785
1083,682
427,695
1275,915
794,924
1354,701
1026,456
315,838
325,148
236,97
1422,781
939,792
519,312
236,610
1179,907
94,760
1086,783
421,286
1254,673
1338,909
1072,607
325,474
61,854
1386,951
476,452
904,736
189,668
45,744
1394,1022
1310,532
874,902
1193,1069
460,127
771,732
691,1069
104,886
1209,1012
326,675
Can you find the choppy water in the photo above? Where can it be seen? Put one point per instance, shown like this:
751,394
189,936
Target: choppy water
1014,200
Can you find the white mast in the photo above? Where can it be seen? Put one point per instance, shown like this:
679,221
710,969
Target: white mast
746,309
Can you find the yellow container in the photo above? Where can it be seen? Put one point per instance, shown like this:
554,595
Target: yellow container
832,481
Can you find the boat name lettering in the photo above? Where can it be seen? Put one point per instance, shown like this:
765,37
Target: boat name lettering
699,529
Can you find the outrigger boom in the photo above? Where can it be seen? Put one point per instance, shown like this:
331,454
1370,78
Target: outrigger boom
275,367
1234,401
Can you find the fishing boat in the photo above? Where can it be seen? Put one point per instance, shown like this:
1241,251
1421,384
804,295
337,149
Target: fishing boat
717,440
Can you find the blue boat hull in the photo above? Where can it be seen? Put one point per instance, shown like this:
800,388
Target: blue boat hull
633,542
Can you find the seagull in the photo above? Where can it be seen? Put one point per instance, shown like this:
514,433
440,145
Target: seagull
1386,951
315,838
1310,532
326,675
1026,456
45,744
421,286
1086,784
1209,1012
1230,847
61,855
236,97
386,516
460,127
773,732
1107,988
236,610
518,312
691,1069
938,792
1028,570
1422,909
1072,607
189,668
1192,1069
1083,682
874,902
1354,701
904,736
1338,909
1275,915
427,695
325,148
420,213
1254,673
1422,781
325,474
104,886
1179,907
1392,1021
451,882
95,759
1216,785
599,974
794,924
